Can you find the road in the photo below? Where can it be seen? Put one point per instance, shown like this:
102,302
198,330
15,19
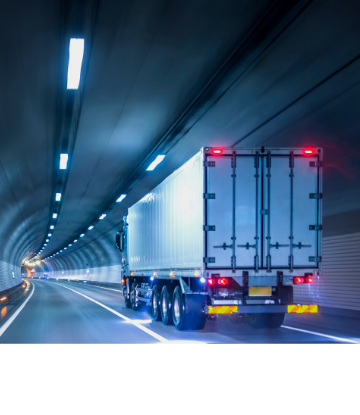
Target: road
73,312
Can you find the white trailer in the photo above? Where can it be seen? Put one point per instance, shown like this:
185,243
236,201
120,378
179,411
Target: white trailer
230,232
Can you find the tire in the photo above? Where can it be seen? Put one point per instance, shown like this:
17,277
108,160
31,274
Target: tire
166,306
180,316
155,305
134,304
198,320
127,299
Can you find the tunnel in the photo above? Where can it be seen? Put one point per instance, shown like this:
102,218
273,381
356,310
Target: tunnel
77,142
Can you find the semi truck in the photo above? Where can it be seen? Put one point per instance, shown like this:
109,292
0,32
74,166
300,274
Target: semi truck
229,233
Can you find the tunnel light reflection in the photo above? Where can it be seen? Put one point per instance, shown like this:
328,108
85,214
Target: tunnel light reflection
121,198
76,53
157,161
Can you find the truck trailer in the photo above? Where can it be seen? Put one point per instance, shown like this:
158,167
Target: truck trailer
231,232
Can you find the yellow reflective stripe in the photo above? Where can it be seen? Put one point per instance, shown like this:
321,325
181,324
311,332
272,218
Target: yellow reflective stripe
300,309
222,309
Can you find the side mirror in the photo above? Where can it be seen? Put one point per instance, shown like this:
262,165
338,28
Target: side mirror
120,241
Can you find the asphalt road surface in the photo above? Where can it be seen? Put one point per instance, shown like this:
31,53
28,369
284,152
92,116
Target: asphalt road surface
73,312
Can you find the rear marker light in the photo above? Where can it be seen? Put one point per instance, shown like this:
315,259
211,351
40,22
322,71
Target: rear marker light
309,151
216,151
211,281
309,280
223,281
298,280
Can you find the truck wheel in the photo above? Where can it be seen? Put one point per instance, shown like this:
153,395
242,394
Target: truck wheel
127,299
166,306
198,320
275,320
154,306
180,317
134,304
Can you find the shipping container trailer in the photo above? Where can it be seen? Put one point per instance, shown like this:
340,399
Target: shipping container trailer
228,233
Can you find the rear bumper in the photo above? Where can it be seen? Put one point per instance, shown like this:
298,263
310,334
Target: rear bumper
250,309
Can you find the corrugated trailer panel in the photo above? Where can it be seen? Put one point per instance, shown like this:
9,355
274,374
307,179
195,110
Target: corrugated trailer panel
169,220
339,284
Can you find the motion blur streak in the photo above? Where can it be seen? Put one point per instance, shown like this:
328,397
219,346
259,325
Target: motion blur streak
139,326
18,311
323,335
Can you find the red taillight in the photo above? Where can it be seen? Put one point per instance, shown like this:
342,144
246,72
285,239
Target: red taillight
211,281
216,151
298,280
309,280
223,281
309,151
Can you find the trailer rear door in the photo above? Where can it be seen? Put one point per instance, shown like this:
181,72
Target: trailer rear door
262,210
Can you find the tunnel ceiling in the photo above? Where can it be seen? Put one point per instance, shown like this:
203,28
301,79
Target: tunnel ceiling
163,77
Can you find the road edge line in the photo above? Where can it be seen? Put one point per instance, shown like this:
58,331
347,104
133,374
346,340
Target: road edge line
139,326
321,334
7,323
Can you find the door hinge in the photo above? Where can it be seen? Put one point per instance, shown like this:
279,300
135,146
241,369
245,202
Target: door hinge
246,246
315,227
316,164
209,163
315,196
208,228
315,258
209,195
210,260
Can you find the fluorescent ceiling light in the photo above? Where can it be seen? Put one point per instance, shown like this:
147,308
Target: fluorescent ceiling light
82,235
90,227
54,215
157,161
75,240
76,53
65,248
102,216
58,195
69,244
121,198
63,162
45,244
52,227
47,240
49,234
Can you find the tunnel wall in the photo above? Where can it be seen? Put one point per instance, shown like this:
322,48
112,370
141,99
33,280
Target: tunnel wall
7,280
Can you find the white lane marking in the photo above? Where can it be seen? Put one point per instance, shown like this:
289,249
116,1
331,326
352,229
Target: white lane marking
111,289
323,335
139,326
13,317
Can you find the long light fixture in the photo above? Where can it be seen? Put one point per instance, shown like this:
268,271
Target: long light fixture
63,162
121,198
82,235
102,216
58,196
90,227
54,215
157,161
76,53
52,226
